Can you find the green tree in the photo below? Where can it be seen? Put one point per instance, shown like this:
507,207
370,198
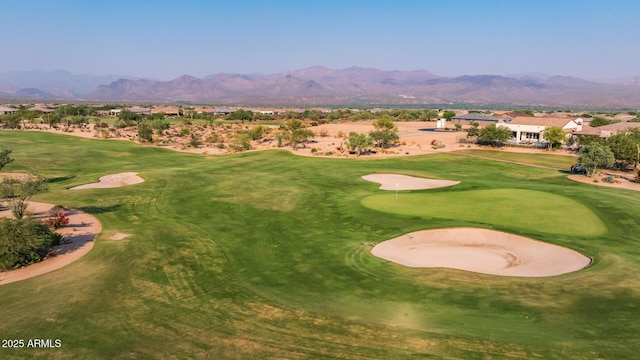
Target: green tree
430,114
145,132
297,133
554,135
494,135
16,193
624,147
385,133
448,114
5,158
242,115
473,130
129,117
359,142
593,156
53,119
600,121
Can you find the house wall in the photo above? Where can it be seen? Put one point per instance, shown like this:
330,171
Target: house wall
526,133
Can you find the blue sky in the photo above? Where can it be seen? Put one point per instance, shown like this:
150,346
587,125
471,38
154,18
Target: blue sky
166,39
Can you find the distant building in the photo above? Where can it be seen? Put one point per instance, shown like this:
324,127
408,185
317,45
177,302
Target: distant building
7,110
482,119
170,111
42,108
222,111
607,130
530,129
140,110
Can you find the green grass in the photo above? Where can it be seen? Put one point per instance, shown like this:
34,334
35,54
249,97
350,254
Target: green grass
266,255
549,159
525,210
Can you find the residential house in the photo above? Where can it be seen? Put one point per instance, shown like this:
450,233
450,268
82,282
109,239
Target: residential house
140,110
529,129
7,110
170,111
607,130
482,119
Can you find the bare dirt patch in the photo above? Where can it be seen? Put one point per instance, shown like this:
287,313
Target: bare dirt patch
78,241
112,181
405,182
119,236
482,251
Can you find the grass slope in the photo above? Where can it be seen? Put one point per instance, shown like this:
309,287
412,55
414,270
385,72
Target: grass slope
266,254
549,159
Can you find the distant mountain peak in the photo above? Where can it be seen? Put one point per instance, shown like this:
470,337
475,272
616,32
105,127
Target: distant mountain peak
320,85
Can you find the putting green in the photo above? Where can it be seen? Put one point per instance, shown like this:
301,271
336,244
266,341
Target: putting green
513,208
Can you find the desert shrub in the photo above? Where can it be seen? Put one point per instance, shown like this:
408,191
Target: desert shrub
145,132
102,134
314,150
194,142
184,132
280,138
256,132
220,145
213,138
240,142
323,133
329,153
24,241
160,125
120,124
76,120
609,179
340,134
314,123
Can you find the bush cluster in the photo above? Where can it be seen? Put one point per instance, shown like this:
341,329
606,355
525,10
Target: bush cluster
24,241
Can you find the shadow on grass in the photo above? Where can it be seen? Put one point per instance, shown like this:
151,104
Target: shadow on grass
59,179
99,209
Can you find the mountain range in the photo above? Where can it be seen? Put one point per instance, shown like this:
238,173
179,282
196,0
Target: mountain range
320,85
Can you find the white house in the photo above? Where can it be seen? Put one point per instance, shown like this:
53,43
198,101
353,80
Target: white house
529,129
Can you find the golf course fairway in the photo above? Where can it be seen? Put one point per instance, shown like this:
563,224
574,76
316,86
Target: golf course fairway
268,255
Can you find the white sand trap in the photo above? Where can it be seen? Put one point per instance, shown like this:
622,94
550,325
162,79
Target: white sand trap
404,182
112,181
482,251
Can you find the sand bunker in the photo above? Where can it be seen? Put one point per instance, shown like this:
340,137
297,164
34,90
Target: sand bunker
482,251
112,181
404,182
78,240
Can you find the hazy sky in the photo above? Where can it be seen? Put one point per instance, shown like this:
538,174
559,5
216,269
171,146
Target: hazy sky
166,39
